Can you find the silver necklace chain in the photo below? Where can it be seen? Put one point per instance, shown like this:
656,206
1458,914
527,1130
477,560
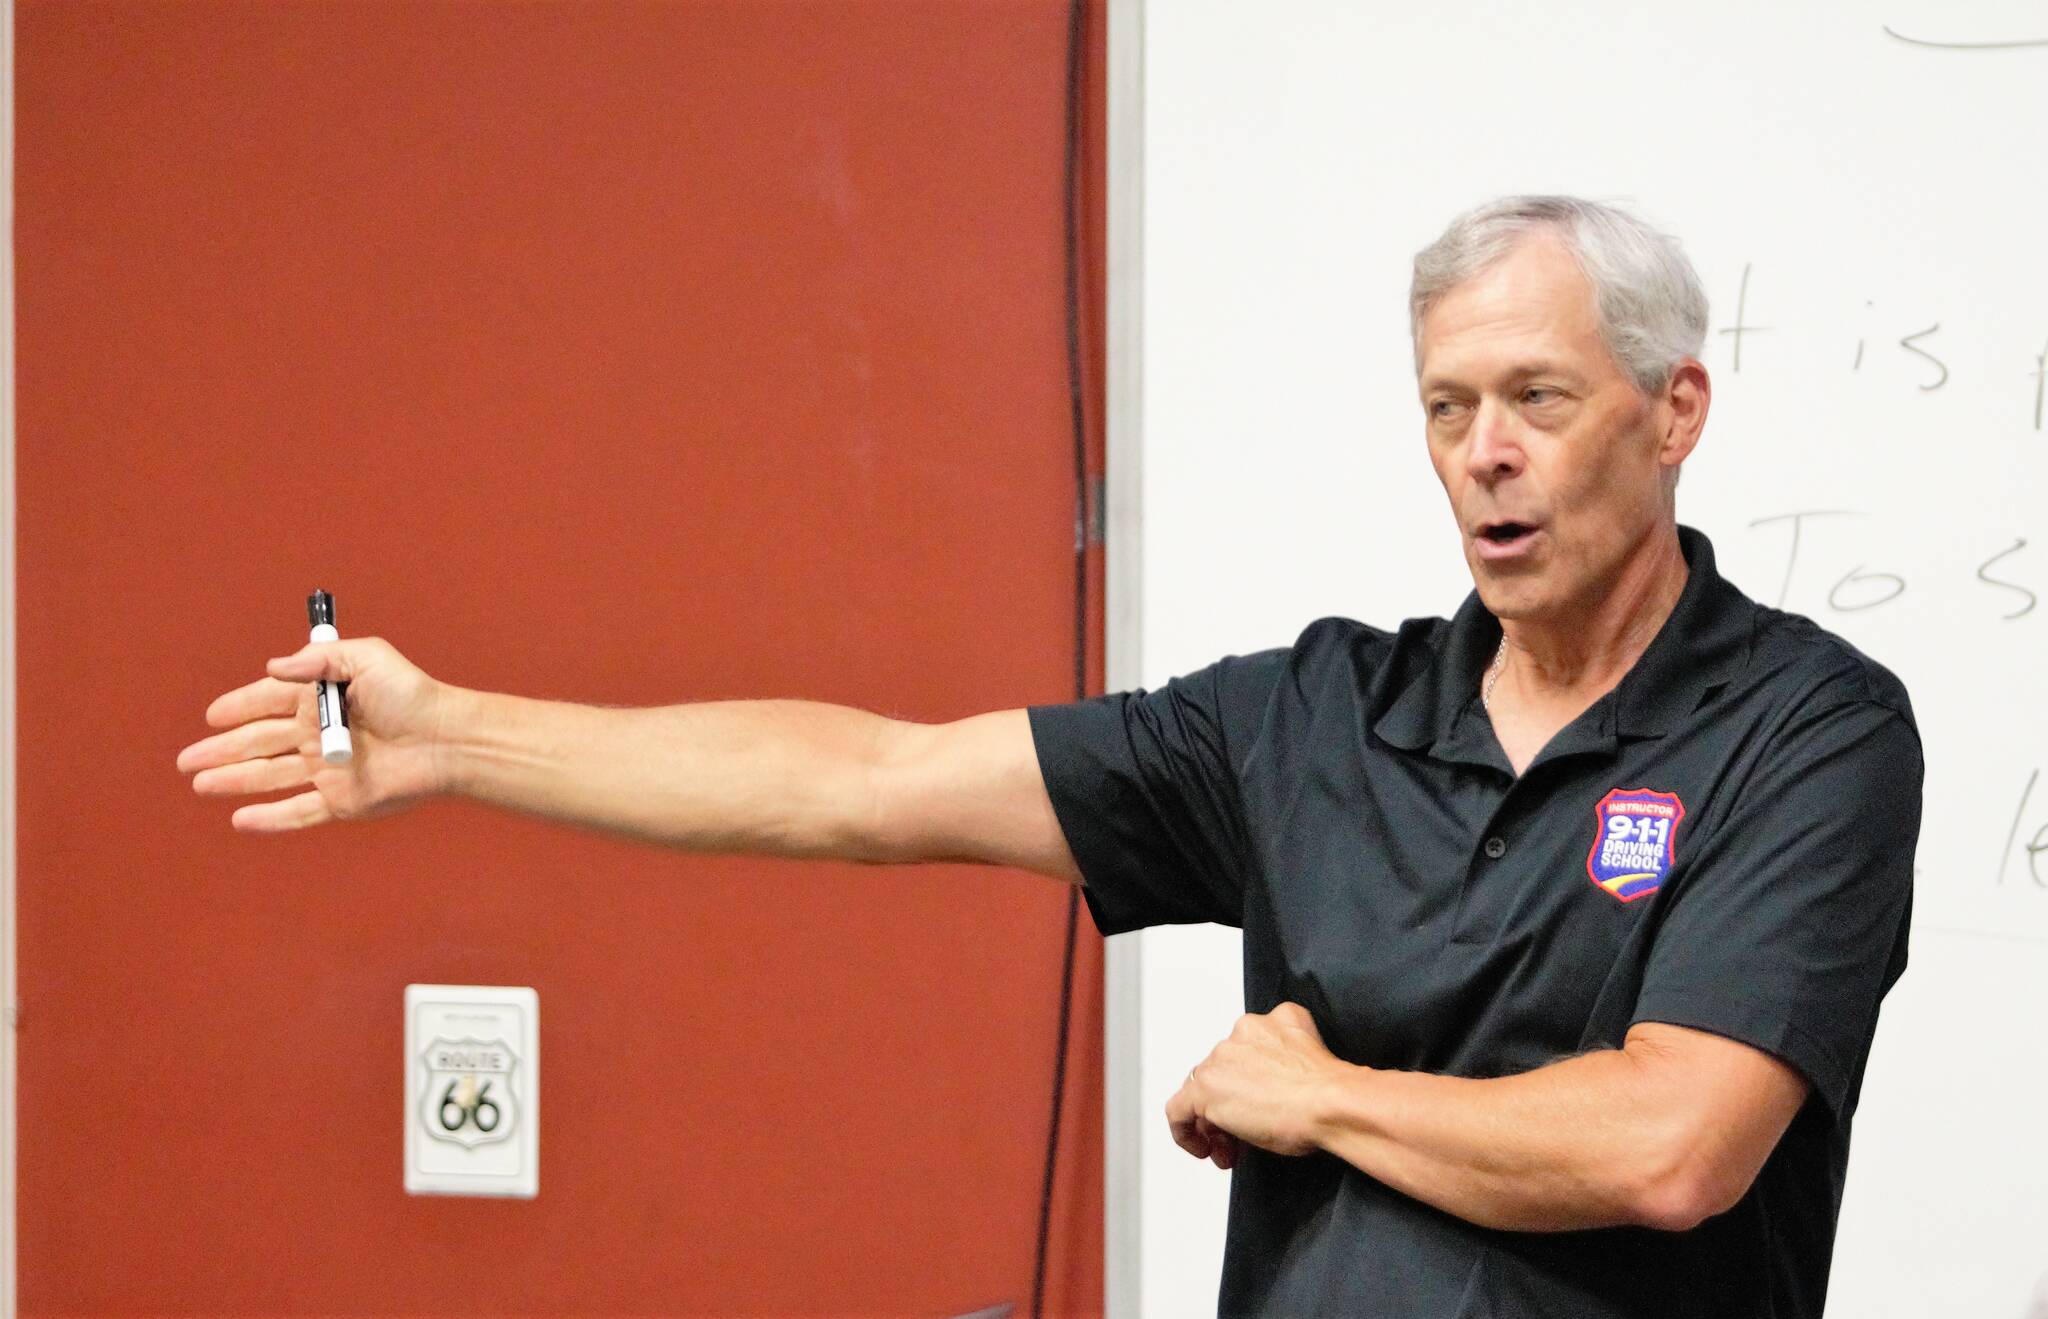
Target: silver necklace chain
1493,672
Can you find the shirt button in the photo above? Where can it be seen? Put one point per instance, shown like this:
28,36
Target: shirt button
1496,847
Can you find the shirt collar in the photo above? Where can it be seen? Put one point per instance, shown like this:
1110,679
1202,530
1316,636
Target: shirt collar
1703,644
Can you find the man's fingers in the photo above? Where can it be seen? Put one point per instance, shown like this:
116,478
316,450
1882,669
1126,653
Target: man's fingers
272,817
249,776
264,738
236,711
1222,1145
336,661
1182,1120
260,699
1192,1130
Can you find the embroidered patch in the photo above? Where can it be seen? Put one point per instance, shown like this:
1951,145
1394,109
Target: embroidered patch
1632,850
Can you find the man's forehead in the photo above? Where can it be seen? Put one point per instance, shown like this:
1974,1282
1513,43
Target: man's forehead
1533,307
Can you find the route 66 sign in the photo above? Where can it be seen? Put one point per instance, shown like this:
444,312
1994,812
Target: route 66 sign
469,1099
472,1090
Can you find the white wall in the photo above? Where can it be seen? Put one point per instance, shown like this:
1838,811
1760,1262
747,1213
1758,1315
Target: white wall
1294,157
1123,656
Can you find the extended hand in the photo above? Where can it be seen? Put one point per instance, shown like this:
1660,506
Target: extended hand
1266,1084
273,738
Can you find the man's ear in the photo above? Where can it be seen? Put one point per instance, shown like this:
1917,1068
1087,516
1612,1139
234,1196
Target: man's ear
1686,398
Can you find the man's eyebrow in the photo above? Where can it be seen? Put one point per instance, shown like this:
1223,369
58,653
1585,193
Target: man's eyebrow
1523,370
1540,367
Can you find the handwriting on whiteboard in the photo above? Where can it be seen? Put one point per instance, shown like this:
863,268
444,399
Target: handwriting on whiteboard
2033,847
1870,586
1920,343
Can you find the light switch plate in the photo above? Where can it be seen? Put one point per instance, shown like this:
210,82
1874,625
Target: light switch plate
472,1090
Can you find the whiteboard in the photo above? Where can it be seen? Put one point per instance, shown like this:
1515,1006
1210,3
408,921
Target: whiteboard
1864,190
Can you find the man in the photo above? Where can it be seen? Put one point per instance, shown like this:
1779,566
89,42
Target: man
1566,919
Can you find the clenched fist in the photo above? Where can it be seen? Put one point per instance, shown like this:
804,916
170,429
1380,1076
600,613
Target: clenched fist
1268,1084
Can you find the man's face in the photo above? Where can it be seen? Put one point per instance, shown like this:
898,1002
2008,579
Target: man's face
1554,464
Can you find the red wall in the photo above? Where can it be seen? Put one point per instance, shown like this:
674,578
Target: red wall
624,353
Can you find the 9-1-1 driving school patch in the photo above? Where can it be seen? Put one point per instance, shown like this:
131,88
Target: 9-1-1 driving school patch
1632,848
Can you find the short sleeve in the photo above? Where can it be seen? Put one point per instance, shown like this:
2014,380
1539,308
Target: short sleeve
1147,790
1791,925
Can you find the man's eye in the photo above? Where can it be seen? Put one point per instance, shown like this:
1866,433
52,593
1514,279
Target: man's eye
1442,408
1539,394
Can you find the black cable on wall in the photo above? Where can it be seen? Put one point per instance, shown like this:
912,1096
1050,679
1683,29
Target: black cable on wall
1077,42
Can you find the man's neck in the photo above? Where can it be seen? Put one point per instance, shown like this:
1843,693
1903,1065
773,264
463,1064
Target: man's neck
1589,650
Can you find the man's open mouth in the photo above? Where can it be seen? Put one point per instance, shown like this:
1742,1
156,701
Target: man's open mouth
1506,533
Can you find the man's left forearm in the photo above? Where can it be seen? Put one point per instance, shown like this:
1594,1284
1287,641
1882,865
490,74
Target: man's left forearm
1587,1142
1663,1132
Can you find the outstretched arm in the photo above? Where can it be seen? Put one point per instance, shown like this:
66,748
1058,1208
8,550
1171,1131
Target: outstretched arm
777,778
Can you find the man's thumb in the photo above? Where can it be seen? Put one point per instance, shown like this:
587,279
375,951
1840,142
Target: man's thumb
336,661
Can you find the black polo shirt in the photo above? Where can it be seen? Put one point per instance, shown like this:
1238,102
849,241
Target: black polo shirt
1724,841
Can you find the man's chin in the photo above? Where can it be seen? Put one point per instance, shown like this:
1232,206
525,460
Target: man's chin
1511,598
1509,590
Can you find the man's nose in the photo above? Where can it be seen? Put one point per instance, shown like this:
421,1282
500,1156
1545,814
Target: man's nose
1495,452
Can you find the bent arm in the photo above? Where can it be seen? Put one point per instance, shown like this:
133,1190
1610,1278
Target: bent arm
772,778
1664,1132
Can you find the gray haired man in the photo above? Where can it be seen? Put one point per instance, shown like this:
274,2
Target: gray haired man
1566,918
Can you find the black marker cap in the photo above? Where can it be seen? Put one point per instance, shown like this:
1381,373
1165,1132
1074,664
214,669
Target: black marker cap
320,609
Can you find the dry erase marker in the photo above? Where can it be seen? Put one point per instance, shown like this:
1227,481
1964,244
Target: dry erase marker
331,698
